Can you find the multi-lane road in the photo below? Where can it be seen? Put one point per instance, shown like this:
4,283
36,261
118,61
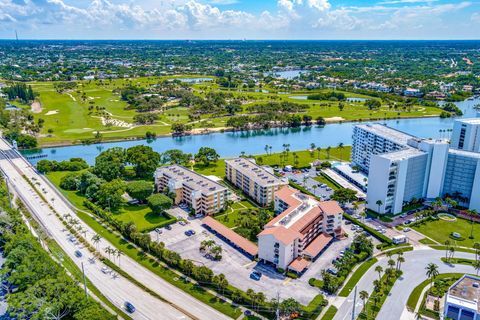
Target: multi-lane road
176,304
413,268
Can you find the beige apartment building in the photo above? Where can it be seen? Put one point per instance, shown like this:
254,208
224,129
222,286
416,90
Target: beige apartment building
302,230
254,180
205,196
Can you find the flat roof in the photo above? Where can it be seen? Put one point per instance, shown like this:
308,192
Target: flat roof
347,170
466,290
469,154
298,265
255,172
469,120
387,133
192,179
317,245
402,154
236,239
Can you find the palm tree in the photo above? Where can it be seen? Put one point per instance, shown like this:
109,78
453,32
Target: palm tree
391,263
471,214
119,254
96,239
108,250
452,252
312,146
314,187
379,269
476,246
447,247
400,260
318,152
266,148
328,152
379,203
340,146
364,296
476,266
432,271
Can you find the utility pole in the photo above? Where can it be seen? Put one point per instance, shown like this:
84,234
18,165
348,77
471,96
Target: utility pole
354,303
277,312
84,282
8,192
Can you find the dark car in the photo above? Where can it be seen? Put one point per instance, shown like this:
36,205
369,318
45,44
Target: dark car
78,254
255,275
129,307
168,227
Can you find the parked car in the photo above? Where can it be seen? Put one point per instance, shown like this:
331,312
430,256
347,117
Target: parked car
255,275
332,271
168,227
406,229
106,270
158,230
182,223
189,232
129,307
78,254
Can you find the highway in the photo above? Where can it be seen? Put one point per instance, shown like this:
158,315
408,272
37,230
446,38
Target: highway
177,304
413,268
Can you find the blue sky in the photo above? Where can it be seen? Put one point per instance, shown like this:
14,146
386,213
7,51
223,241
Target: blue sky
238,19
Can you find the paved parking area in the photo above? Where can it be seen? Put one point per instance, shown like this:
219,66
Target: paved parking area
306,180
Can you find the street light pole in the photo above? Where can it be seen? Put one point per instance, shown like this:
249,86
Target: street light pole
84,282
354,303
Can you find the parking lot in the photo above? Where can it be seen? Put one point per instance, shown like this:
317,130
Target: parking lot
305,179
237,267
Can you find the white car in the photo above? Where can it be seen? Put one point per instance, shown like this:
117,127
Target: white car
106,270
406,229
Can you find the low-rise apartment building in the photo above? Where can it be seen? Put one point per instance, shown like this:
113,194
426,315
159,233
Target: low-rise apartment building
300,232
462,299
254,180
205,196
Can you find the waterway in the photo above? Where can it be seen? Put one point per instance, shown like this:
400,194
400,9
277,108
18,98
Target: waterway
231,144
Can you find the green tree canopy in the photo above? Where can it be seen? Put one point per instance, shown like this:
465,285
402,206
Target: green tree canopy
143,159
110,164
159,203
139,190
109,195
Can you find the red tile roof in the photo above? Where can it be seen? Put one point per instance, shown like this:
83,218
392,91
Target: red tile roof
298,265
307,219
232,236
330,207
317,245
282,234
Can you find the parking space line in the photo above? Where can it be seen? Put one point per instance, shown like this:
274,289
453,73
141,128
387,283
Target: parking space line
249,264
286,281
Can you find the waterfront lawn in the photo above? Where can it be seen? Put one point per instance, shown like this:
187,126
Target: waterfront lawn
440,230
141,215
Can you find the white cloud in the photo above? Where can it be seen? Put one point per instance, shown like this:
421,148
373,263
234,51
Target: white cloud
476,17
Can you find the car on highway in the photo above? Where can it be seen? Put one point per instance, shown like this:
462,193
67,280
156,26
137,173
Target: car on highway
106,270
255,275
78,253
129,307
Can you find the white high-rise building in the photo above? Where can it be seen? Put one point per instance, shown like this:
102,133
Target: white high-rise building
402,167
466,135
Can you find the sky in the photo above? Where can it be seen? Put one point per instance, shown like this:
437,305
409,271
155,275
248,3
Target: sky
240,19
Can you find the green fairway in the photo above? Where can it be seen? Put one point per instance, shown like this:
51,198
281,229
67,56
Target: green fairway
440,230
76,114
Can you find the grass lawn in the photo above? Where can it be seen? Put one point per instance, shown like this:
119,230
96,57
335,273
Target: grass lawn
141,215
330,313
68,114
440,230
371,308
323,179
231,216
415,295
357,275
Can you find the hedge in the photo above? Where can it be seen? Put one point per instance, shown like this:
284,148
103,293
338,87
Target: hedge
372,231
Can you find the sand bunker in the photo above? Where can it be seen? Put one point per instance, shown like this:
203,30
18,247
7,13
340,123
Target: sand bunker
36,107
334,119
49,113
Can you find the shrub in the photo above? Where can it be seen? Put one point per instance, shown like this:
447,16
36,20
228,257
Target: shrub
139,190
